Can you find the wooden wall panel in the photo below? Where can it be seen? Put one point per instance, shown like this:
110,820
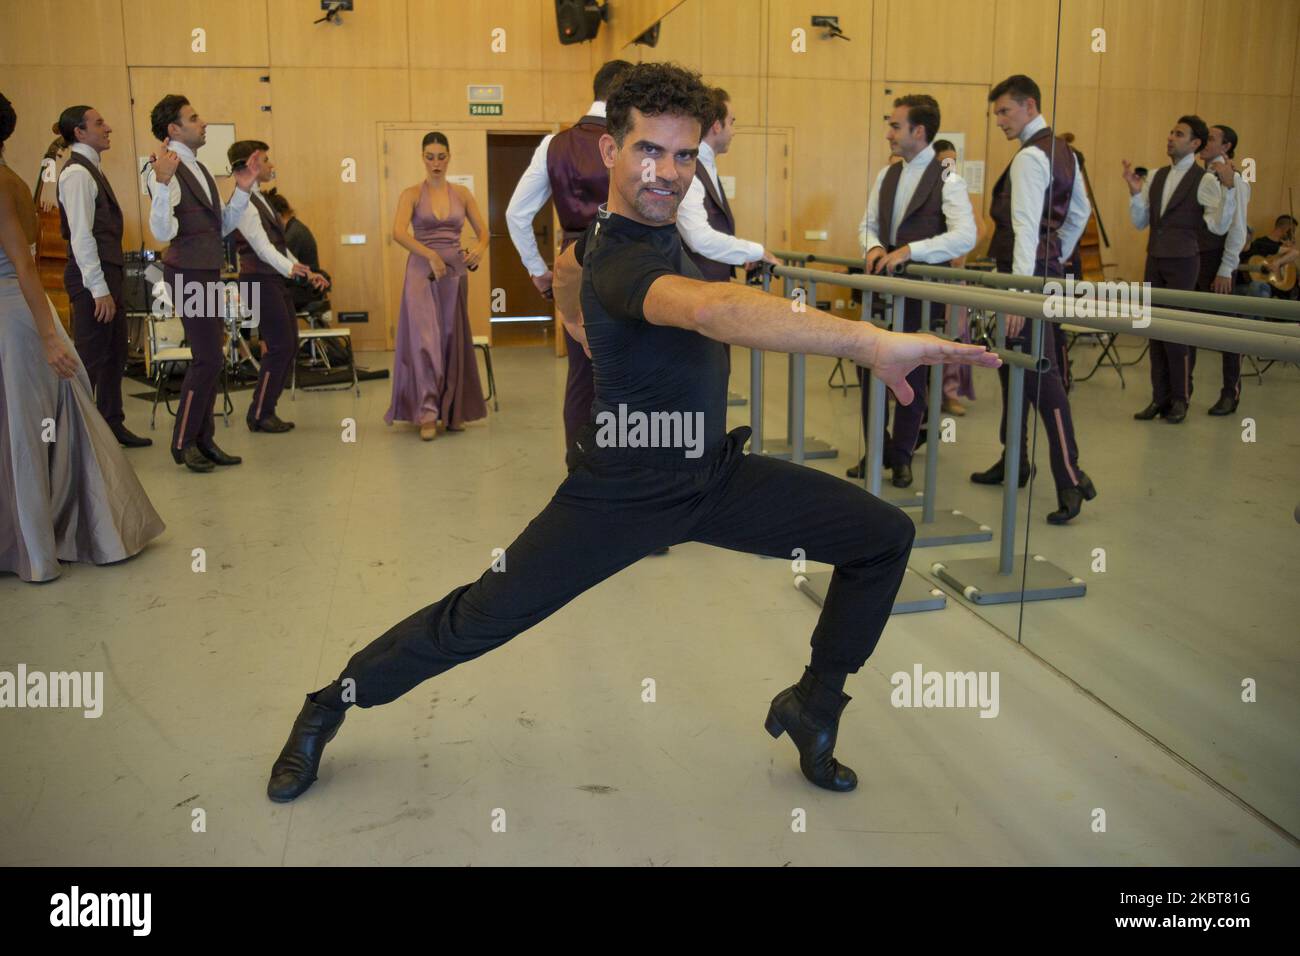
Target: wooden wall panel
1025,41
456,36
374,35
309,152
1262,127
822,58
939,41
743,24
443,93
1152,44
36,33
565,96
159,32
1249,46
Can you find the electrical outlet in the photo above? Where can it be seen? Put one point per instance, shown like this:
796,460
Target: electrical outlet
354,317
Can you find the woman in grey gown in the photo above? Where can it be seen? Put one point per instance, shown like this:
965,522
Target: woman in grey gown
66,490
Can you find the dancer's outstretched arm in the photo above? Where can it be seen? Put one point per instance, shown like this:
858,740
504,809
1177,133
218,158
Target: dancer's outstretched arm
729,312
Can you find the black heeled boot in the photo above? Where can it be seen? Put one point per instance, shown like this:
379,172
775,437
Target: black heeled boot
295,769
810,713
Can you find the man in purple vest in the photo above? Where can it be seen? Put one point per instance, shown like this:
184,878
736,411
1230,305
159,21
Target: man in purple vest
264,263
704,219
186,212
91,222
567,167
1039,208
917,212
1221,255
1177,201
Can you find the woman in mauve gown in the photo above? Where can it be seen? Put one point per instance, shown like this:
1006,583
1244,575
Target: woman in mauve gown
435,376
67,492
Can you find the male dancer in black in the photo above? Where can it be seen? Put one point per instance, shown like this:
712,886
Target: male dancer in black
91,222
264,263
186,212
1179,202
1039,208
656,335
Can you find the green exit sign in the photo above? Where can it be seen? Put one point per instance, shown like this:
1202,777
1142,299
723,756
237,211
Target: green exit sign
485,109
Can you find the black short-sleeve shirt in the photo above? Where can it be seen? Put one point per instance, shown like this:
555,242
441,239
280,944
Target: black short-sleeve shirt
671,380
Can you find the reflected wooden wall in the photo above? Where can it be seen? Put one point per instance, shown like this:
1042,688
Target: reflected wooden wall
409,61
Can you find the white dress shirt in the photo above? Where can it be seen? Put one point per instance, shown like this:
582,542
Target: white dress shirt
1236,237
162,218
78,192
961,233
530,195
250,225
1031,177
693,219
1220,204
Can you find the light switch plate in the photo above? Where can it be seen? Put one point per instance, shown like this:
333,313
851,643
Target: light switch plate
816,234
353,239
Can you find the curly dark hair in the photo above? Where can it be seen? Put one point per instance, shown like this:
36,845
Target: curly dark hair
8,120
165,112
656,89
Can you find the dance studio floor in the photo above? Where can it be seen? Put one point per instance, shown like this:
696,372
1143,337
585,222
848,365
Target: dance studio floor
314,546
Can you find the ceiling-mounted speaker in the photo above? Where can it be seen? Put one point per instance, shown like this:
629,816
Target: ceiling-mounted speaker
579,20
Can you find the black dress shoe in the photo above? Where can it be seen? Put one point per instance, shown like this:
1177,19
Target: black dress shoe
295,769
1224,406
128,440
270,423
902,476
1151,411
1176,412
218,457
996,474
1071,500
194,460
858,470
810,713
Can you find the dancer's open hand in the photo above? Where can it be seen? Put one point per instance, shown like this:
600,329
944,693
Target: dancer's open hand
436,264
59,356
896,354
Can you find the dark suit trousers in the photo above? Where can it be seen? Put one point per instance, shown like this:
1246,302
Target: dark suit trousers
278,329
203,332
908,418
101,345
579,390
1210,260
605,517
1046,391
1171,363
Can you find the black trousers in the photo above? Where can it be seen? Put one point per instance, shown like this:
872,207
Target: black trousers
908,418
579,390
1210,261
194,422
1046,391
605,517
101,345
277,328
1171,363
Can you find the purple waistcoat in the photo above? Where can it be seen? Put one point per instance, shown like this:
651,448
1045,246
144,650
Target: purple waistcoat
1175,233
1056,204
579,179
197,243
249,262
106,227
718,211
923,218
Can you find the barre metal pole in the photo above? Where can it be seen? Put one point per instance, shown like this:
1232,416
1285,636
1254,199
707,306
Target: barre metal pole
756,385
1164,325
1011,461
932,435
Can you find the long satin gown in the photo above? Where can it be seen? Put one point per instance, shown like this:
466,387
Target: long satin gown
435,375
75,498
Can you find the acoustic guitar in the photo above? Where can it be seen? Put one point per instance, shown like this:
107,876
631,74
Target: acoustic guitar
1262,269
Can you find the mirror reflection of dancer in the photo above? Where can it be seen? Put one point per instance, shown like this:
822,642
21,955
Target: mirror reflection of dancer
656,332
